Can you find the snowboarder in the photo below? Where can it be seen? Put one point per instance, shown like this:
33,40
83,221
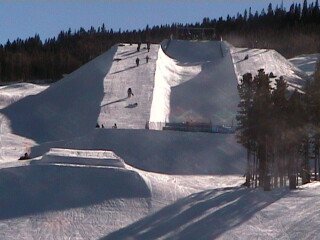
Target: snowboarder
147,59
130,93
137,61
114,126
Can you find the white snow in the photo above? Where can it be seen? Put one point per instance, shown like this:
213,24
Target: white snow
132,183
194,81
270,61
306,62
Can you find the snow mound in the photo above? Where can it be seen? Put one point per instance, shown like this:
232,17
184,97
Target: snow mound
81,157
194,81
251,60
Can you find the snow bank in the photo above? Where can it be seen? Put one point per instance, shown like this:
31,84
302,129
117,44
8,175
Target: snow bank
81,157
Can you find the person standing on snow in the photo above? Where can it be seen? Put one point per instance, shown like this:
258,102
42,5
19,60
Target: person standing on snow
147,59
137,61
130,93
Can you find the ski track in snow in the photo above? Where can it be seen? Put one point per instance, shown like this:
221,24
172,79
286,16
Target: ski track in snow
152,205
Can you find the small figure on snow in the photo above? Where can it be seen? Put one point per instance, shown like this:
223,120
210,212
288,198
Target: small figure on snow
114,126
138,48
148,46
102,126
137,61
130,93
147,59
97,126
24,157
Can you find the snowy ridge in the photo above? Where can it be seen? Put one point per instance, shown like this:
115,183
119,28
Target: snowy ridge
270,61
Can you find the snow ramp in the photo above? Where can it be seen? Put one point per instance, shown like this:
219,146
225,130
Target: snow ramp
194,81
78,157
71,181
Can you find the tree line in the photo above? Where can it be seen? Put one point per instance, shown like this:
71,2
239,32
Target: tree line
291,32
280,130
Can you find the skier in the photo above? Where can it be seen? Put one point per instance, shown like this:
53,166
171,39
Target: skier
147,59
130,93
114,126
137,61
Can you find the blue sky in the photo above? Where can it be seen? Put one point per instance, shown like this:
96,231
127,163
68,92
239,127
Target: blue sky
47,18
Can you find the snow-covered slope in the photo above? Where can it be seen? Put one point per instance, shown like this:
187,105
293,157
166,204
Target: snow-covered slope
233,213
306,62
66,109
13,92
194,81
124,74
270,61
87,201
165,152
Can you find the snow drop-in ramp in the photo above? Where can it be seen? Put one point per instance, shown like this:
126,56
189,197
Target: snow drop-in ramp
194,81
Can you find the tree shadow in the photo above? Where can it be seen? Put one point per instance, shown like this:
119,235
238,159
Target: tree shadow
35,189
204,215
